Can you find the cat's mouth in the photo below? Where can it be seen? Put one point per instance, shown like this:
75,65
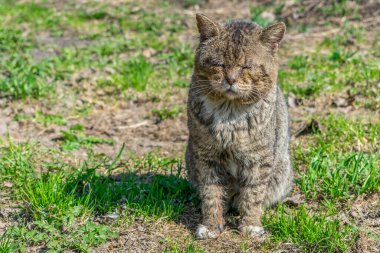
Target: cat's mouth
231,92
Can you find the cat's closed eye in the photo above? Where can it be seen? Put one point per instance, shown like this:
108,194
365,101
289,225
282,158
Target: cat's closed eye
250,66
213,63
217,65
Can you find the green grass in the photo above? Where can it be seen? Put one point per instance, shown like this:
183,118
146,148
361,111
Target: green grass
33,14
188,248
338,177
60,203
16,162
61,217
59,200
176,65
339,163
132,74
334,67
11,40
331,174
50,208
7,245
340,135
49,198
311,231
21,78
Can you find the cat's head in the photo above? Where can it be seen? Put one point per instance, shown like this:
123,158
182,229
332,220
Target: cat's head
236,61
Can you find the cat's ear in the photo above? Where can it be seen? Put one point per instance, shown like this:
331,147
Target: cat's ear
272,35
207,27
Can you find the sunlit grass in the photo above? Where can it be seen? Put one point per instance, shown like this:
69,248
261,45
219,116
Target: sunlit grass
311,231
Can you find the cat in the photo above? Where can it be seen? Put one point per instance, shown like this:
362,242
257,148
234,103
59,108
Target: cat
238,147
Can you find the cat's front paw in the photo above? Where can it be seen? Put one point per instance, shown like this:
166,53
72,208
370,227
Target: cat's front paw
204,232
252,230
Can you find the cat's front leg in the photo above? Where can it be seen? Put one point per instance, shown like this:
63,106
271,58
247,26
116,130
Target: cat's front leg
211,193
253,187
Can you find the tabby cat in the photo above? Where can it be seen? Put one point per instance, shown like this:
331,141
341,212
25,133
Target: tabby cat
238,149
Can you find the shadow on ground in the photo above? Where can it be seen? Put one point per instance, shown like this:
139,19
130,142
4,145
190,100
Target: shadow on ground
133,194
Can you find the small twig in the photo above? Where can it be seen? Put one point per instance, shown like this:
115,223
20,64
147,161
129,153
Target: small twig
145,122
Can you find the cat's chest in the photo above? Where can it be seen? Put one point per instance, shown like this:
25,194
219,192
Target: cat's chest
229,126
232,126
230,134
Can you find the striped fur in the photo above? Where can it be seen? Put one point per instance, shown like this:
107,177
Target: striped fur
238,148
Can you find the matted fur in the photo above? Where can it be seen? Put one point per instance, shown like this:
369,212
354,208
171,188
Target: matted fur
238,148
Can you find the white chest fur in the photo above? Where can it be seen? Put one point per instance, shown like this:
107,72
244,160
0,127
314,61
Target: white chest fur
227,112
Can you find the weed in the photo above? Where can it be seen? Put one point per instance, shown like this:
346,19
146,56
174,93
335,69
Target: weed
48,119
75,139
42,118
59,236
256,16
167,113
83,111
338,8
189,3
20,117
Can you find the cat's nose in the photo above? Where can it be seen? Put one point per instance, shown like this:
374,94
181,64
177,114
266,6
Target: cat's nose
230,80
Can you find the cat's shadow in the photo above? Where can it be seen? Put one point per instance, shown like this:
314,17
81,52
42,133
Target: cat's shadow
152,194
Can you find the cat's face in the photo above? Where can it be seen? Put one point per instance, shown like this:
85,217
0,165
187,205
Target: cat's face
236,61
